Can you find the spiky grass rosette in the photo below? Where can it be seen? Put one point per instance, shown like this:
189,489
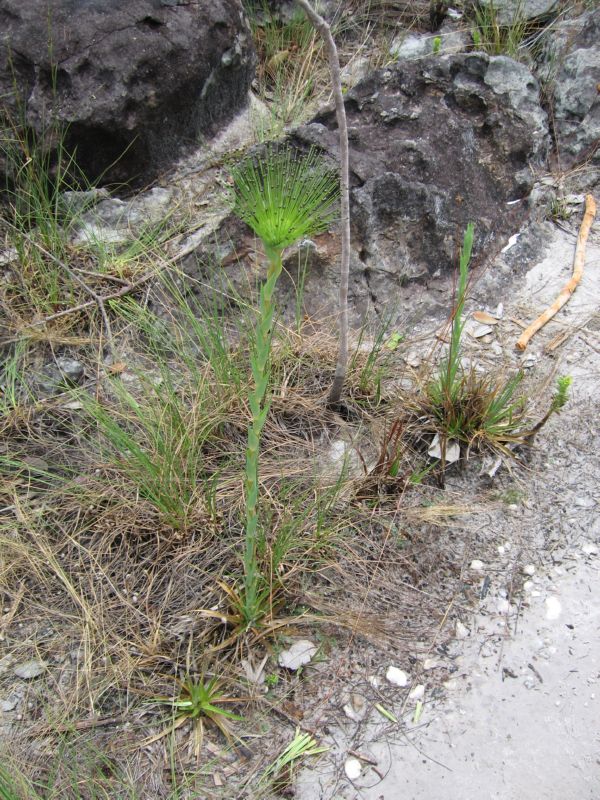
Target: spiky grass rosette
284,196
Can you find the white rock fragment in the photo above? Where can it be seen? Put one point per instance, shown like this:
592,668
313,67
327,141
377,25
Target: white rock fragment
374,681
529,569
590,549
511,242
30,669
418,693
503,605
396,676
461,630
431,663
352,768
452,450
296,656
356,708
477,565
528,586
553,608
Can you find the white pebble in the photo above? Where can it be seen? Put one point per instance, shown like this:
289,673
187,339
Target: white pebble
352,768
553,608
396,676
477,565
374,681
590,549
528,586
529,569
503,605
418,693
461,630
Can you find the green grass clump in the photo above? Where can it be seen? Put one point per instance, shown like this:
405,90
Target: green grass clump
155,437
496,38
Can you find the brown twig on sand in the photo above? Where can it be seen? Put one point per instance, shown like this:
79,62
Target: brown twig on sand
569,288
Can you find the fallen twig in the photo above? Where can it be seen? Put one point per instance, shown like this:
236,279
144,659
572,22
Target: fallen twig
567,291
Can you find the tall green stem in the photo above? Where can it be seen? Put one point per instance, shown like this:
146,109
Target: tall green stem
259,408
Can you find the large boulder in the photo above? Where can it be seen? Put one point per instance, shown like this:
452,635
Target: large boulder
135,82
570,68
434,145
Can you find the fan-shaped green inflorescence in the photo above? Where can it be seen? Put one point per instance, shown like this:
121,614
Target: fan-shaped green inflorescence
283,197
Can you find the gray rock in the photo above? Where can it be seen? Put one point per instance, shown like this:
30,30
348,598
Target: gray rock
570,68
71,370
136,82
513,11
30,669
435,144
115,221
449,39
10,703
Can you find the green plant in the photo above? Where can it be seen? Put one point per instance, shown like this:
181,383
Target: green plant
559,400
198,700
475,410
156,439
283,197
496,37
303,745
447,385
436,45
289,70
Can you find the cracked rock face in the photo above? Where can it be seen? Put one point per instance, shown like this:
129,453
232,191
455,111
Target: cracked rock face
135,81
571,67
434,145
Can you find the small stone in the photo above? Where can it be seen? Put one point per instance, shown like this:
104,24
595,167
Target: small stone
484,318
10,703
553,608
477,565
529,569
590,549
528,586
71,369
296,656
431,663
417,693
374,681
396,676
30,669
461,630
356,709
352,768
503,605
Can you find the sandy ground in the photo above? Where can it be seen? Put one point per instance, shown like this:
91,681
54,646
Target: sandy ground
520,717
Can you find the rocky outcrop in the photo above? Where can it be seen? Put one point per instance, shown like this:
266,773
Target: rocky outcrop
510,12
434,145
570,68
135,82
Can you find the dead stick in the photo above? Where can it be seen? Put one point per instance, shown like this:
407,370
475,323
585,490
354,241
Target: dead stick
567,291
